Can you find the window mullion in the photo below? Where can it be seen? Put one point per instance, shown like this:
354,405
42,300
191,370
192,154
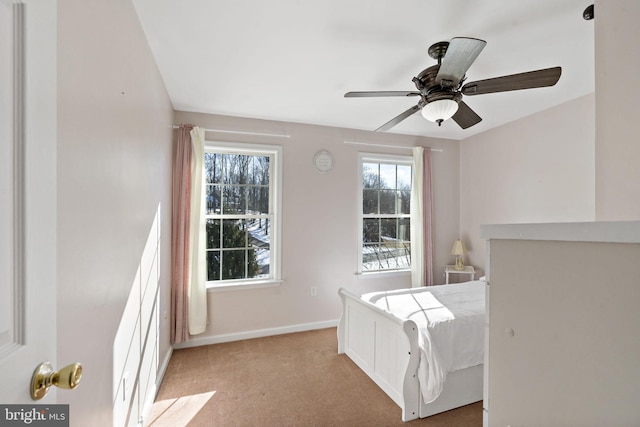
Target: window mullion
244,173
384,244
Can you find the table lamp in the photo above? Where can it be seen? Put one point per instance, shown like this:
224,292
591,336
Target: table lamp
459,250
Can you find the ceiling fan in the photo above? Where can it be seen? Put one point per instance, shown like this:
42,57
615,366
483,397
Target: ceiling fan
440,87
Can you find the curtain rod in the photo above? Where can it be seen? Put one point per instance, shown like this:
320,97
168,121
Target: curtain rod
275,135
404,147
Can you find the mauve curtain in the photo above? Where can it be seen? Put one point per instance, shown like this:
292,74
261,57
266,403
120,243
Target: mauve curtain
421,220
183,239
180,214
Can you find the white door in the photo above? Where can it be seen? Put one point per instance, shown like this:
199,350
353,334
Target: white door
27,194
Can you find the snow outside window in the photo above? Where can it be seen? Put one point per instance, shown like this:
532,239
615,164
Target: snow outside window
385,194
242,192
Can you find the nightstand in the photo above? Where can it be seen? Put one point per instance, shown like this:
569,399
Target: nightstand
468,270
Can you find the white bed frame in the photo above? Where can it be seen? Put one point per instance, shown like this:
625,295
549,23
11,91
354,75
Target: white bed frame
386,349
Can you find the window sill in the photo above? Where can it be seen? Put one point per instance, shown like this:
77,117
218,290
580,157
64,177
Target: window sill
245,286
383,274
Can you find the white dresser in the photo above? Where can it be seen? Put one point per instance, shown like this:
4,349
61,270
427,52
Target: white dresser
563,305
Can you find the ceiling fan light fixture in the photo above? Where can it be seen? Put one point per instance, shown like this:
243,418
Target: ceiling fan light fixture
439,110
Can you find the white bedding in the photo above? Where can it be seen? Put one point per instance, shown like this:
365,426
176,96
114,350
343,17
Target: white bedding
450,320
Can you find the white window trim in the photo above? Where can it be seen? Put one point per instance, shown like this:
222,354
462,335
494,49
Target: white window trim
380,274
275,200
376,158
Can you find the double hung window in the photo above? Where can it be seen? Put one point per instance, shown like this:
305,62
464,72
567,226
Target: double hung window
242,199
385,190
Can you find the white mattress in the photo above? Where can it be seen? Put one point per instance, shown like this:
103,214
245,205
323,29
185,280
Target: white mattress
450,320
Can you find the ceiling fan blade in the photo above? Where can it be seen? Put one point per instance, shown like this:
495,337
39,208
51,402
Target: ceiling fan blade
465,117
380,93
460,54
391,123
529,80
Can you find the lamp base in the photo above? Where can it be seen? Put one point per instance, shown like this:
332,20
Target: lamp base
459,263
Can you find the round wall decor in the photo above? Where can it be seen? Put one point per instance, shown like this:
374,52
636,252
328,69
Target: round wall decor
323,161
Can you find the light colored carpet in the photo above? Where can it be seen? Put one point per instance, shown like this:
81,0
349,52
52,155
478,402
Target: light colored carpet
287,380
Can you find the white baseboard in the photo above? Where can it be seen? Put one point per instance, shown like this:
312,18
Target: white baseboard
217,339
163,366
162,369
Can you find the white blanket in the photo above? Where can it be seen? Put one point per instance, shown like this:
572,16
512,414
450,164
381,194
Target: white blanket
450,320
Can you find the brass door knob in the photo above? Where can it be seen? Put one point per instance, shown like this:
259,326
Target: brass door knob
44,377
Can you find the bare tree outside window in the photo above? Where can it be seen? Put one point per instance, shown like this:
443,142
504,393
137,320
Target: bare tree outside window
238,215
386,197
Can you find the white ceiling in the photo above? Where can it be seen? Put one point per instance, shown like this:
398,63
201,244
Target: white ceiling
293,60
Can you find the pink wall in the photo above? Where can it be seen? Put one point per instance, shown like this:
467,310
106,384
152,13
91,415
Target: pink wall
320,226
574,162
114,159
617,96
537,169
114,152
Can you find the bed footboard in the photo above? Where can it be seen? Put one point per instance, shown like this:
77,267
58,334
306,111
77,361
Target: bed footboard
384,347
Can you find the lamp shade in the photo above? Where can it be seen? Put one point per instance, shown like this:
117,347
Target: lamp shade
440,110
458,248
